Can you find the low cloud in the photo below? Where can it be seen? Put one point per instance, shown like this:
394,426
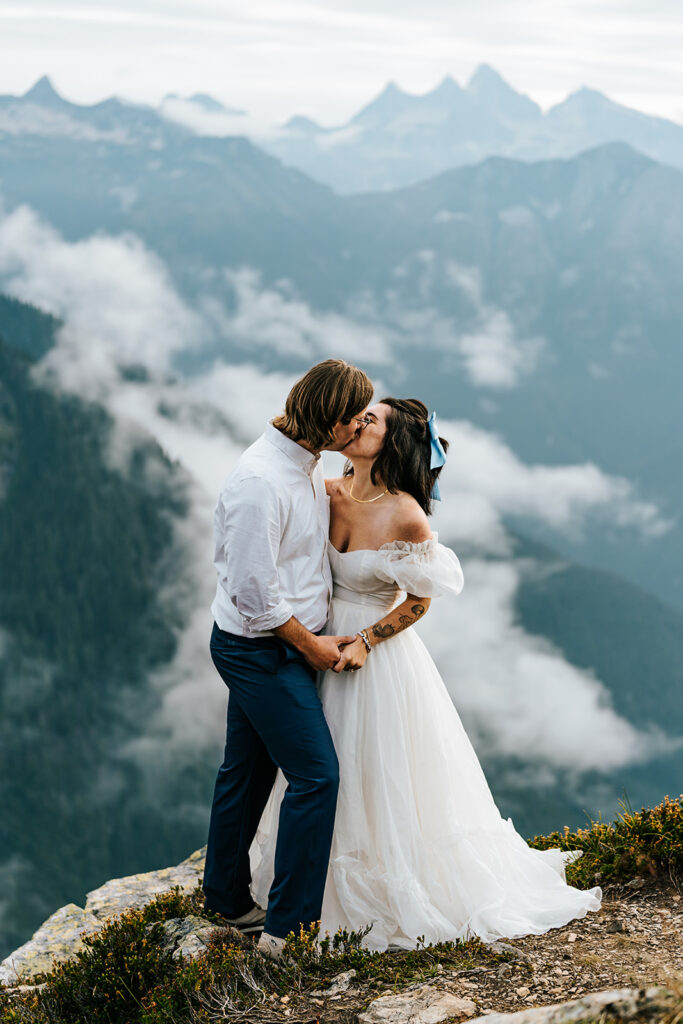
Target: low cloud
484,481
119,308
215,122
482,342
383,330
493,354
516,692
30,119
115,297
275,319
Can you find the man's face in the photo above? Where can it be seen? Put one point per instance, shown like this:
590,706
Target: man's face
345,433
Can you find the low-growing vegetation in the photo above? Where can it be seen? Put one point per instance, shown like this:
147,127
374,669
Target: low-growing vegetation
127,974
645,843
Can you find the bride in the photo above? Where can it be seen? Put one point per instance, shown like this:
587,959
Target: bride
419,847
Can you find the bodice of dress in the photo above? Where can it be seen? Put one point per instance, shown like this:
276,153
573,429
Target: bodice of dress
379,577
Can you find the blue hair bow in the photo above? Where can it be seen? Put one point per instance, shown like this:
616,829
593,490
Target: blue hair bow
438,455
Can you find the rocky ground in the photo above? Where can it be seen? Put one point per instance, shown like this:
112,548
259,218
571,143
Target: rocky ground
635,940
633,944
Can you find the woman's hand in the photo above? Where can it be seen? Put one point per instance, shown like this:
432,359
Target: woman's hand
353,656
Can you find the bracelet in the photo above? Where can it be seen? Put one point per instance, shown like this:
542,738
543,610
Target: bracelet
364,637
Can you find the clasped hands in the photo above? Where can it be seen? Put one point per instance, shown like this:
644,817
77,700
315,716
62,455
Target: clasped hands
339,653
353,655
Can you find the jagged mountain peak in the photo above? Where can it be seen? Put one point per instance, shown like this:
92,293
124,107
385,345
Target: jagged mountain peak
485,76
208,103
584,105
390,101
489,87
446,86
205,101
303,125
391,89
213,106
584,97
43,92
585,90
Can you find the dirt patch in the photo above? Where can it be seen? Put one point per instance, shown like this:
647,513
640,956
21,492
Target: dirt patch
634,941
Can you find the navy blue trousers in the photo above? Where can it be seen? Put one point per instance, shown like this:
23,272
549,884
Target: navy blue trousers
275,719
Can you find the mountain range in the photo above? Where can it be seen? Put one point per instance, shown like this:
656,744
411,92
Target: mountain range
400,138
570,267
533,297
397,139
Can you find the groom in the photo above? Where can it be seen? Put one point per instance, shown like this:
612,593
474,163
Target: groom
274,587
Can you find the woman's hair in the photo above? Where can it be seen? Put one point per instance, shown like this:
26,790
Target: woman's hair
331,391
403,462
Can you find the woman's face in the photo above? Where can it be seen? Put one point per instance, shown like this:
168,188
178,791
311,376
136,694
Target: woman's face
368,442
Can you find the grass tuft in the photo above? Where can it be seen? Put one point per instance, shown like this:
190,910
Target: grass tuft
645,843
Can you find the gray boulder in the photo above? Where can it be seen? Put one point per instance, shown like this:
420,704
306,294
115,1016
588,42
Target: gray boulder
425,1004
120,894
624,1003
187,937
60,937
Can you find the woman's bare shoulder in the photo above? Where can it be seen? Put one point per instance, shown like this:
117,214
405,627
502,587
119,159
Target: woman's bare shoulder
410,520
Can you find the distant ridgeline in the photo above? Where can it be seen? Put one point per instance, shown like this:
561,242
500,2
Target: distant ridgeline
81,548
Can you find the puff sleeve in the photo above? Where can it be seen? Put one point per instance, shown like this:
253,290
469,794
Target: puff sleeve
426,569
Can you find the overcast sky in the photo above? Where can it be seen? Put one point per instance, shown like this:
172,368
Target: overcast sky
327,58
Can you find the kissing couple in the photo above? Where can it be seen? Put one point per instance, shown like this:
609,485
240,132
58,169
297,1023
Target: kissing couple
350,795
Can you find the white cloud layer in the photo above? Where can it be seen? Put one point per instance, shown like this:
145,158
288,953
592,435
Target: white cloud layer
484,481
30,119
516,692
273,320
119,308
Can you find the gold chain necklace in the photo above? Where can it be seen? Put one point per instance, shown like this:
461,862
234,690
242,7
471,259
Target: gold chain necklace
366,501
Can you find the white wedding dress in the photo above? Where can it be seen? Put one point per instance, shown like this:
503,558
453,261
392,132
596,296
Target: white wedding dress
419,846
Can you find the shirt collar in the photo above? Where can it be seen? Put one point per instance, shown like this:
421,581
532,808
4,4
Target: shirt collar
304,459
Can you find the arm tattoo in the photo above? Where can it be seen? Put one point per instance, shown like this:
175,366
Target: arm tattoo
384,632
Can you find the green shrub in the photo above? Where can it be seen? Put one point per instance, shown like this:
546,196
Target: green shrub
124,976
647,842
108,980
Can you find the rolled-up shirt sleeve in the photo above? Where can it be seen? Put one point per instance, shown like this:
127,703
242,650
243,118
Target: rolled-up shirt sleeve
252,534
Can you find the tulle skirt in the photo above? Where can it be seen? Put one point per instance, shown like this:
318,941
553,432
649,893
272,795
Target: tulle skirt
420,849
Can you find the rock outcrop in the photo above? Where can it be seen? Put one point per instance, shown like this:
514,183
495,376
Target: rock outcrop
425,1004
621,1004
60,937
187,937
428,1004
56,940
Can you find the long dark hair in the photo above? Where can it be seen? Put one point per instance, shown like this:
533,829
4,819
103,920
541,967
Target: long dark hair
403,462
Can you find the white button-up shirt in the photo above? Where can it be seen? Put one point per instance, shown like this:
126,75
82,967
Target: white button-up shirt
271,527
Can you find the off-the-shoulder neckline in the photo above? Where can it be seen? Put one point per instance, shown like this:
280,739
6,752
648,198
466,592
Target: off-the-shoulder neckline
399,545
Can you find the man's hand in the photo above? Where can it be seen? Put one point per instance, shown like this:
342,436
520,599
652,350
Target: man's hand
352,657
323,652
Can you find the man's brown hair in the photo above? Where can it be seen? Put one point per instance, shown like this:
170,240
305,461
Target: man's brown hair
329,392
